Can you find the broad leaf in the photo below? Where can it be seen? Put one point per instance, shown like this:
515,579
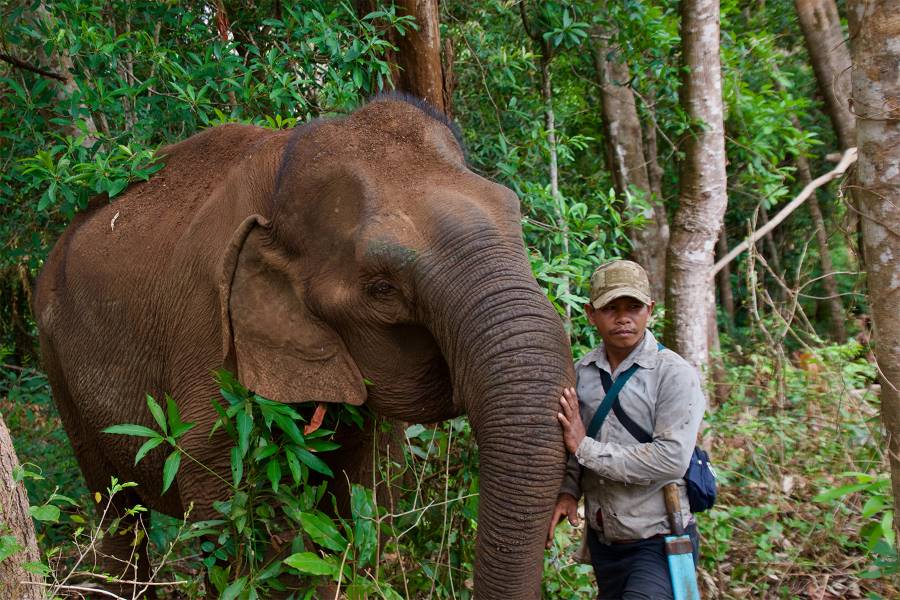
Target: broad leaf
131,429
322,531
170,469
158,414
311,564
147,447
47,512
312,461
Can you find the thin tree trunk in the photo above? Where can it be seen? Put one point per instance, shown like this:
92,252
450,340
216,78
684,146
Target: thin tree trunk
874,28
726,294
703,199
771,248
625,151
223,28
651,156
835,308
16,582
419,56
61,63
830,59
550,127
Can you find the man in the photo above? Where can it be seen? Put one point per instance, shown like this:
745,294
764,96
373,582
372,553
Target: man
620,478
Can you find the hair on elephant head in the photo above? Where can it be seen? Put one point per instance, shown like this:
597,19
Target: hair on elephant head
354,260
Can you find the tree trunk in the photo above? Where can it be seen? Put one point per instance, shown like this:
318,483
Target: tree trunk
625,153
61,63
875,28
830,59
550,127
698,219
726,294
419,55
651,156
16,582
835,308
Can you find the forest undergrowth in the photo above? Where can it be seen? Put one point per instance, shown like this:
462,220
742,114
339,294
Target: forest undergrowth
803,512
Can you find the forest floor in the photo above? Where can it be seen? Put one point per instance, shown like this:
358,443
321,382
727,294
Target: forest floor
804,494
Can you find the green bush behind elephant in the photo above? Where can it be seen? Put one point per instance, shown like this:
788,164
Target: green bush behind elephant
353,260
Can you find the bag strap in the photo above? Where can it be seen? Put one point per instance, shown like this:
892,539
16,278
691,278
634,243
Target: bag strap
612,395
636,431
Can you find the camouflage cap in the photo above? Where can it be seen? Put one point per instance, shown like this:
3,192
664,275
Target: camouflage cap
619,278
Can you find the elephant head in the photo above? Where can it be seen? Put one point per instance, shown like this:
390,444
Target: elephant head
381,269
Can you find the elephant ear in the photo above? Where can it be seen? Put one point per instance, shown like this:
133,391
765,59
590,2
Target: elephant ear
279,348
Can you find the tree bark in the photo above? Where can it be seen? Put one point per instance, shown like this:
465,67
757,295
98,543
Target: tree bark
875,29
702,195
419,56
550,128
61,63
726,294
625,154
651,156
830,59
15,520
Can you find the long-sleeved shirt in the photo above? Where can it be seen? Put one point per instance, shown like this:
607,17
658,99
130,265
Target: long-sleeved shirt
620,478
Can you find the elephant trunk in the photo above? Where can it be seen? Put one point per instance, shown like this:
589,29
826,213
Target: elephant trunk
509,358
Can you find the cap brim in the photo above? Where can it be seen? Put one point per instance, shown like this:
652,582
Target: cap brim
624,291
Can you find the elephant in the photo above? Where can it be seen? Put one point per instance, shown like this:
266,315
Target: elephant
353,259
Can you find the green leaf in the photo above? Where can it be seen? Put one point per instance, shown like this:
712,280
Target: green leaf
234,590
839,491
887,527
47,513
38,568
312,461
244,425
147,447
158,415
322,531
131,429
237,466
273,472
364,533
170,469
287,425
9,545
311,564
294,466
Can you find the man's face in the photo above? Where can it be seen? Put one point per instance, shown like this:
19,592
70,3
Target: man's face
622,322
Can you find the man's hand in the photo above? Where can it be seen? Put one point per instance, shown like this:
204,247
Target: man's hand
566,506
570,419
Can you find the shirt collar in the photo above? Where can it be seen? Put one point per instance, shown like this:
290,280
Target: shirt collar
645,354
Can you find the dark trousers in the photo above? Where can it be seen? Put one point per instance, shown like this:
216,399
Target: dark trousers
636,570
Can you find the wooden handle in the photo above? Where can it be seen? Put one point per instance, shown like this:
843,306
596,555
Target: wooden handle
673,508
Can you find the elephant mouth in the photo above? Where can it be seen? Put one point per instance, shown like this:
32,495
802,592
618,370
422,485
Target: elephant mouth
415,386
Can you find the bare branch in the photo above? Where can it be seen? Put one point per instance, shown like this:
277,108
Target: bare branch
847,159
17,62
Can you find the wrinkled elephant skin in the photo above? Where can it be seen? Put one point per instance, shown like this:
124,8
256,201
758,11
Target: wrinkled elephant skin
309,261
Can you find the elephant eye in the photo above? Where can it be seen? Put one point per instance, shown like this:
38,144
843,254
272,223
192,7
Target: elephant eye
380,288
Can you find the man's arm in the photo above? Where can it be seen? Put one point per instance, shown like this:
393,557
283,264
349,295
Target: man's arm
679,411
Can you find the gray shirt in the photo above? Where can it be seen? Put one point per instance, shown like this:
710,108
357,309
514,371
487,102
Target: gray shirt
620,478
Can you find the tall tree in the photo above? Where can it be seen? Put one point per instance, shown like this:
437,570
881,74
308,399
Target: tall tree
15,521
626,158
546,54
875,28
830,59
702,194
419,57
